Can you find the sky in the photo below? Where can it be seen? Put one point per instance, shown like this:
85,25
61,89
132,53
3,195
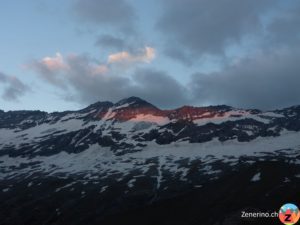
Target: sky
65,55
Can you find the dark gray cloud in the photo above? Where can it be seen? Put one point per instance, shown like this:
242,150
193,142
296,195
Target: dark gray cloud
110,41
284,30
266,77
13,87
119,43
159,88
115,13
88,87
179,54
266,81
198,27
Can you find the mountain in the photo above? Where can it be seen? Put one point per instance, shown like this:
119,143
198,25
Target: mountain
133,163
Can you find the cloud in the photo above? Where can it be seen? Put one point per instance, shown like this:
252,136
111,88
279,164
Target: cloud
87,86
160,88
267,77
55,63
85,81
14,88
50,69
115,13
114,21
257,44
53,68
199,27
146,55
110,41
265,81
283,28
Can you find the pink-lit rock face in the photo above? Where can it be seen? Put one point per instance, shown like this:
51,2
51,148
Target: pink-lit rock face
147,114
137,110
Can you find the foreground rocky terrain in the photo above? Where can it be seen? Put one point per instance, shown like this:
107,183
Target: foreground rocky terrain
133,163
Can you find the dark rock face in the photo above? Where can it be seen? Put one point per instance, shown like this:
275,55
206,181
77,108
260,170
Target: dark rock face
133,163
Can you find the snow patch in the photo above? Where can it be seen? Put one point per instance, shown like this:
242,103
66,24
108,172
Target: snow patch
256,177
160,120
5,190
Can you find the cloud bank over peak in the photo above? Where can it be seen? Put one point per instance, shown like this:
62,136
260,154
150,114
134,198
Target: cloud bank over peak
268,80
82,80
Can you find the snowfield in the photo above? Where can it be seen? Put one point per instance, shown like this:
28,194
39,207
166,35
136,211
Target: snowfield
97,159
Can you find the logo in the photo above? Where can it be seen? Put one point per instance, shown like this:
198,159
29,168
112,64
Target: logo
289,214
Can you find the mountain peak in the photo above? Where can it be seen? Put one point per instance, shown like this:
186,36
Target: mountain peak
134,102
98,105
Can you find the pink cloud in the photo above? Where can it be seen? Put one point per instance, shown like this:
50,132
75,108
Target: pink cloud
146,56
55,63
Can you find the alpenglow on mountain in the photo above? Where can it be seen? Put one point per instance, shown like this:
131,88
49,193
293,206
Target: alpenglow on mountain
134,160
